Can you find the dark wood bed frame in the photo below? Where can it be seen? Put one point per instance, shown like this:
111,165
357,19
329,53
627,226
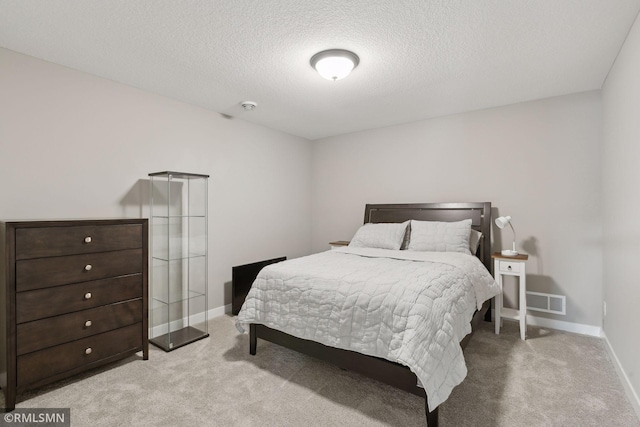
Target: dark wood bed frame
383,370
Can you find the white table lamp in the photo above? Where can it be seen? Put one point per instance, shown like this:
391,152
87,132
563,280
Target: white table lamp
502,223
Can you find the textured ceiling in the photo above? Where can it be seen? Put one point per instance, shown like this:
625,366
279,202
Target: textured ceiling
418,58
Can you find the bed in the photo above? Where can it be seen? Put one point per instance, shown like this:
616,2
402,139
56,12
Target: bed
398,312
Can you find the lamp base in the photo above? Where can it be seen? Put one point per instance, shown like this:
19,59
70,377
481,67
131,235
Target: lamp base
509,252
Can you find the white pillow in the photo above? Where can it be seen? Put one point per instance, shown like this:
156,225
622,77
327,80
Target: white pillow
474,241
437,236
381,235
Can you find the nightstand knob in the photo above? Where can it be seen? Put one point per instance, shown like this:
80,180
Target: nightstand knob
87,295
509,268
88,267
87,323
88,350
87,239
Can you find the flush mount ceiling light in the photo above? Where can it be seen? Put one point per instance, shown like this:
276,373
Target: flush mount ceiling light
334,64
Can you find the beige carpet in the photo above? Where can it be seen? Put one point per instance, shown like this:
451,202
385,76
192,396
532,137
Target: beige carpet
552,379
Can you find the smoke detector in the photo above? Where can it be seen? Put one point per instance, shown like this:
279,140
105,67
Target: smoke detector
248,105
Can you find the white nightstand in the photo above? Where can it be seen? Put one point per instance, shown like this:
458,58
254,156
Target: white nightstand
511,266
339,244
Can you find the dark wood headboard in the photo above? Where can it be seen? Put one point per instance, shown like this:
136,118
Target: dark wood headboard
479,213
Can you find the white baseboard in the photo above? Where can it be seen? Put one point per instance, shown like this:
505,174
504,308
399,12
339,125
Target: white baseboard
561,325
219,311
626,383
543,322
578,328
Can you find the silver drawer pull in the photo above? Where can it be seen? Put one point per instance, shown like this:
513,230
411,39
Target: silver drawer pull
88,267
87,239
87,295
87,323
87,350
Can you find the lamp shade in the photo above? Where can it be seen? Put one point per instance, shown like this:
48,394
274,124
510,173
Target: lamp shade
334,64
503,221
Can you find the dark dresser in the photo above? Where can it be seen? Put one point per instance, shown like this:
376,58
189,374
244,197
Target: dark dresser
74,297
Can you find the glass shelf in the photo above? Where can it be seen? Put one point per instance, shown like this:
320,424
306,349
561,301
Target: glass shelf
177,297
178,216
178,257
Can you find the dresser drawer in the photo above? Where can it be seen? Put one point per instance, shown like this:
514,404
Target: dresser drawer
46,272
32,336
42,364
41,303
59,241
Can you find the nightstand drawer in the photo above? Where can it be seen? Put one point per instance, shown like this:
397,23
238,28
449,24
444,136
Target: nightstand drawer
510,267
32,336
48,302
59,241
39,365
46,272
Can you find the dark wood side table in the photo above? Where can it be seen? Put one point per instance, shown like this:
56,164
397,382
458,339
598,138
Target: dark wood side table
339,244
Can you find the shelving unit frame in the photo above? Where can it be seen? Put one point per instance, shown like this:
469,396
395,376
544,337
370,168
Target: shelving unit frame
179,259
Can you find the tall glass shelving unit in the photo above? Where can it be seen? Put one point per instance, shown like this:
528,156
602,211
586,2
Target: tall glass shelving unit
179,259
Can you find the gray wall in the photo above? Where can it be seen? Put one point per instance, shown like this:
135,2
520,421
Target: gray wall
536,161
73,145
621,205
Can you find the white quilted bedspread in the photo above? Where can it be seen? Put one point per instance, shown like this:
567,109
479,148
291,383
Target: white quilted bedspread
409,307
